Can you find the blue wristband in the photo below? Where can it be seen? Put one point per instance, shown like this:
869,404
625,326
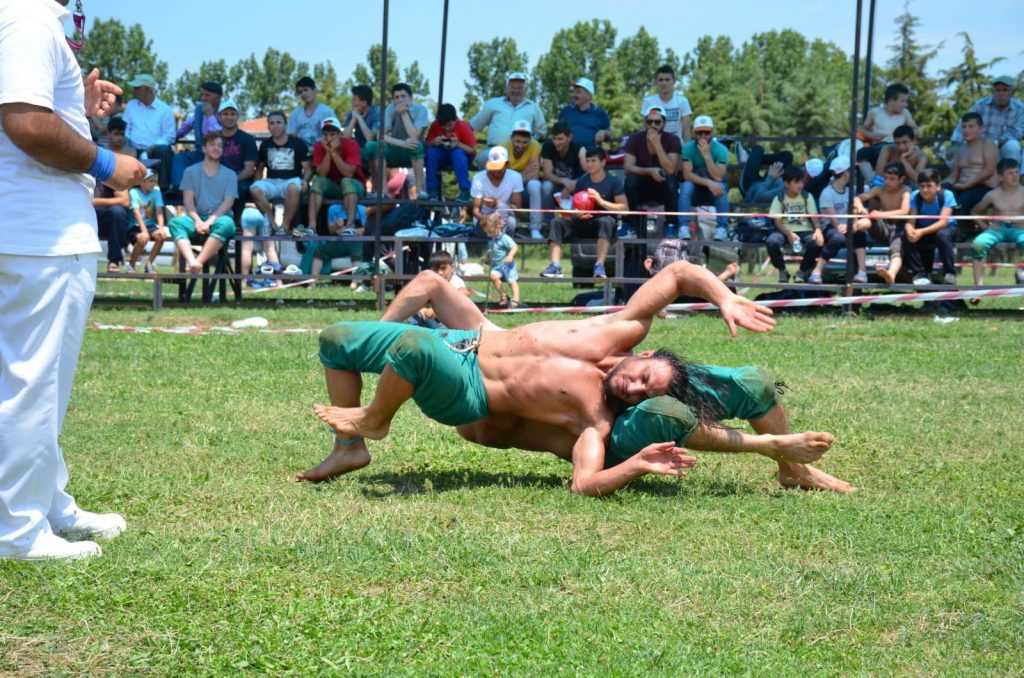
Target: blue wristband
103,166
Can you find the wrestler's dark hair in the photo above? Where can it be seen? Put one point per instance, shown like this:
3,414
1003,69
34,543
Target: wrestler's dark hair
681,387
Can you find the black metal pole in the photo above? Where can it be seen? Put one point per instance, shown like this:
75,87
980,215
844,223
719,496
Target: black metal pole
379,181
868,63
851,259
444,52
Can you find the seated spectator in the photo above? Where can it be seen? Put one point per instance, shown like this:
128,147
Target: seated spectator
974,166
1002,118
240,153
882,207
209,190
524,157
501,257
150,125
116,140
450,144
922,237
405,123
904,150
608,195
497,189
705,160
499,114
880,123
561,163
113,221
441,263
363,122
338,172
676,106
831,237
795,216
651,164
755,186
1006,199
339,223
206,112
147,205
589,122
307,116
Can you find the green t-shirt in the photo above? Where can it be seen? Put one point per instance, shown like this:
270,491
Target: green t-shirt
719,153
801,204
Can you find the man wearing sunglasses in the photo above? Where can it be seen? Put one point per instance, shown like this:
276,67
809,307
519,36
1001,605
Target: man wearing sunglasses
651,164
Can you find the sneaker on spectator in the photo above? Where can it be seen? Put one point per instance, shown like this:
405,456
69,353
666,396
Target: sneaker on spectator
684,232
89,525
1020,276
599,271
814,278
949,278
536,234
798,246
51,547
625,232
741,153
150,267
127,267
552,271
783,276
348,231
861,277
721,233
671,231
301,231
921,281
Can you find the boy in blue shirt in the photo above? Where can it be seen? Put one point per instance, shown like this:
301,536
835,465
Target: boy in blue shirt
501,256
921,237
147,205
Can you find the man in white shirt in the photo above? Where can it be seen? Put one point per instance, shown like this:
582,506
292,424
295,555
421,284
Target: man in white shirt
499,115
151,125
305,120
497,189
676,106
48,265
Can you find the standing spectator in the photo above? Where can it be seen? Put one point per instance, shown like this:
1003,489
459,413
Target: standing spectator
1007,199
497,189
1002,118
608,195
363,121
704,161
880,123
589,122
676,106
48,258
147,204
450,143
831,237
339,172
501,257
307,116
150,124
651,166
881,207
524,157
209,189
116,140
561,163
757,187
794,213
497,115
904,150
240,153
405,124
922,237
974,167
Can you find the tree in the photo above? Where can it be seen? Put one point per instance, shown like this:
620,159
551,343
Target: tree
580,51
489,65
331,90
186,88
121,54
909,66
968,78
369,74
267,84
636,58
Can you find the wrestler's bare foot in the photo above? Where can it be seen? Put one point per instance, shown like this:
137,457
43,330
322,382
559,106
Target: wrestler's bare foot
802,447
342,460
884,274
351,421
803,477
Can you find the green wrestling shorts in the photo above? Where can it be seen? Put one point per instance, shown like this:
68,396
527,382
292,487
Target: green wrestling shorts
728,393
441,365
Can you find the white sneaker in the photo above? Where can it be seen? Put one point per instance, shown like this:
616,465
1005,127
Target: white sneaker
88,525
52,547
150,267
922,281
127,267
949,279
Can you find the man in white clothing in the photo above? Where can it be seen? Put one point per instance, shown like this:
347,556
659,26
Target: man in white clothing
676,106
47,273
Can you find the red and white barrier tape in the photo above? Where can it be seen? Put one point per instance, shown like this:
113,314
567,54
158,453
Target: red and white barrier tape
748,215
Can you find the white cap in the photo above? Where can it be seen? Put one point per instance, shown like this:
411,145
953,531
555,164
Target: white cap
839,164
814,167
655,107
703,122
226,104
585,83
515,75
497,158
522,126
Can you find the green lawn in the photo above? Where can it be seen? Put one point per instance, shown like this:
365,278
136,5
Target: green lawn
442,558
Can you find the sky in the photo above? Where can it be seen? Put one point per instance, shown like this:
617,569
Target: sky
342,30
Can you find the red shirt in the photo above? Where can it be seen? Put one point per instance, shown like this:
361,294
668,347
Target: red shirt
349,151
463,132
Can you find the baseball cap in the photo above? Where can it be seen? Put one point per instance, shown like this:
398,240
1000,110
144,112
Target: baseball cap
1007,80
330,122
226,104
150,174
497,158
143,80
814,167
703,122
655,107
522,126
515,75
585,83
839,164
655,420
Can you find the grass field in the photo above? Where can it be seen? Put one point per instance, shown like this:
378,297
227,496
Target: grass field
442,558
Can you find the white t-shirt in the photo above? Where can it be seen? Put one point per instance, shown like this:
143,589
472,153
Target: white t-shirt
675,110
483,187
839,202
45,211
457,282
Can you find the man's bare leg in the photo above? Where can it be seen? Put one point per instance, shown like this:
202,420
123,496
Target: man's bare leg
374,420
793,474
452,308
348,454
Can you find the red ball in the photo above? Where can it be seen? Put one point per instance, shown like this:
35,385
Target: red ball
581,200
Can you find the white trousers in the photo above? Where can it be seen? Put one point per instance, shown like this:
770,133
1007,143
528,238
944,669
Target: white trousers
44,303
